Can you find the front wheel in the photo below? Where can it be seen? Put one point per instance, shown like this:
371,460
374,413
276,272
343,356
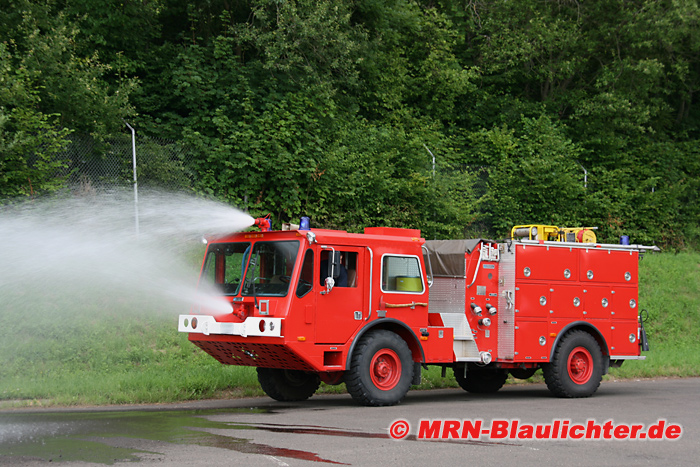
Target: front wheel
381,369
288,385
576,368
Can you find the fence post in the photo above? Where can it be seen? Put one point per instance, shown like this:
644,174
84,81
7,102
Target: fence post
585,175
433,186
136,185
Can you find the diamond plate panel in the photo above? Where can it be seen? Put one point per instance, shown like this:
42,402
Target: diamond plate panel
459,323
447,295
466,351
464,347
506,303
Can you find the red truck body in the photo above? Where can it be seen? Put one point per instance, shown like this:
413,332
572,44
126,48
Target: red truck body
372,309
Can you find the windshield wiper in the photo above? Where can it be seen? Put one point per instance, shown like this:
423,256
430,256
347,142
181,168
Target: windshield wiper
251,281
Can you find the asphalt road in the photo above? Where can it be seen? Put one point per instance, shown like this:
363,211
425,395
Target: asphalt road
332,429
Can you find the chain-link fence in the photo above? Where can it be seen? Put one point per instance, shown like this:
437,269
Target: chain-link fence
96,165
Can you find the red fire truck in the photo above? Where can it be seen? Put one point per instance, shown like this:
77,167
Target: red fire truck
371,310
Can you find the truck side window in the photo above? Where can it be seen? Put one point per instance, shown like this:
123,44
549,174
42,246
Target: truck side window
306,276
346,274
351,266
401,274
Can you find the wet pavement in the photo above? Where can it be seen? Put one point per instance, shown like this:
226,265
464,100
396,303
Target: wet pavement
332,429
69,436
89,436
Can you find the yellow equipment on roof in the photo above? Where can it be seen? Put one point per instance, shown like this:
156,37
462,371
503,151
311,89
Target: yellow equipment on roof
552,233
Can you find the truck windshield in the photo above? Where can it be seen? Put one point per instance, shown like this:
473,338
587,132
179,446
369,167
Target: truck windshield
271,268
225,264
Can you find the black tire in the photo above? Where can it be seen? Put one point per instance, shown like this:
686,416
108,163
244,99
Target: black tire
288,385
522,373
381,369
481,381
576,368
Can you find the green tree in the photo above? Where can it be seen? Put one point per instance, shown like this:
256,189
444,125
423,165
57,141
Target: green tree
43,43
327,107
30,141
533,175
48,91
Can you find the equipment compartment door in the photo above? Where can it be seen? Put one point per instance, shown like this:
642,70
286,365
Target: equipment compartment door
531,343
342,310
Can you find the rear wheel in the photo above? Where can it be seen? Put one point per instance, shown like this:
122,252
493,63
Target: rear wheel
576,368
288,385
381,369
522,373
481,381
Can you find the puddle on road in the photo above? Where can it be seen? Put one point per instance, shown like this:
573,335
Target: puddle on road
86,436
73,437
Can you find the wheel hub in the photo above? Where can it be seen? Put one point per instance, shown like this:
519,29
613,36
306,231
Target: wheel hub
580,365
385,369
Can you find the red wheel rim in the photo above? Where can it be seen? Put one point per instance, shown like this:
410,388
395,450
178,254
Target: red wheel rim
580,365
385,369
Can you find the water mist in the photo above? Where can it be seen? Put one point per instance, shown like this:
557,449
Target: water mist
74,250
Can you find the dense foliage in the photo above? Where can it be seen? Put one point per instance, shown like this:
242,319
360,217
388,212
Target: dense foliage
535,111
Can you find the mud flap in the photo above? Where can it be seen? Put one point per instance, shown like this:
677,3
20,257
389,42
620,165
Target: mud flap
416,374
643,342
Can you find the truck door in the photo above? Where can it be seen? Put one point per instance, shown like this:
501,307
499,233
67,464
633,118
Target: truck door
340,311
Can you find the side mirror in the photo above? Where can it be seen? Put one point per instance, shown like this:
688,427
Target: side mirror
330,283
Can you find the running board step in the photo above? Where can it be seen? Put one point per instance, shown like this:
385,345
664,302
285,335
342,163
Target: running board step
464,346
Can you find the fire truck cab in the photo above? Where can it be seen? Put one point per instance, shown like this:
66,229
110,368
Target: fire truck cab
371,310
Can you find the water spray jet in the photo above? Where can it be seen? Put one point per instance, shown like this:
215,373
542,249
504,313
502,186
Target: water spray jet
85,247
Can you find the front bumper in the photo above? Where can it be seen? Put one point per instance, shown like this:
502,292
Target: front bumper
252,326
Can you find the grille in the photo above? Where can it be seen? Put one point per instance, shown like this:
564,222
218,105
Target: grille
258,355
